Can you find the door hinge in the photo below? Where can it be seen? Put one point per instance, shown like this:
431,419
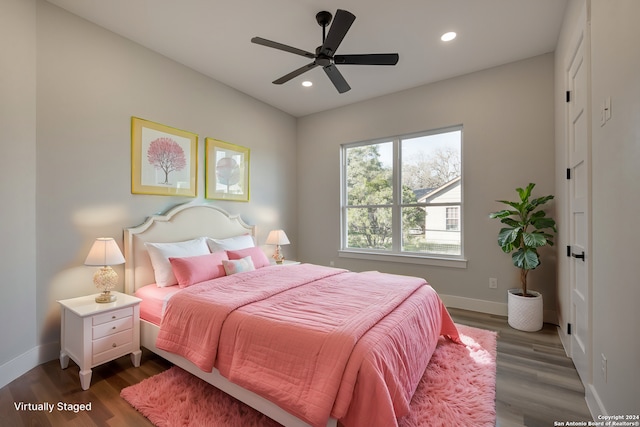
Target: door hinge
568,96
568,328
568,251
568,173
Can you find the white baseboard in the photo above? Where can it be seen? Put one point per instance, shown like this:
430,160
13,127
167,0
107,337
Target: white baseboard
28,360
482,306
18,366
565,340
594,403
489,307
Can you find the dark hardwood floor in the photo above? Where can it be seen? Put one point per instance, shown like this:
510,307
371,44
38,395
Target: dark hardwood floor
536,384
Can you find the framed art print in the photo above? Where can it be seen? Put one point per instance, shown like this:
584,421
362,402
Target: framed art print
226,170
164,160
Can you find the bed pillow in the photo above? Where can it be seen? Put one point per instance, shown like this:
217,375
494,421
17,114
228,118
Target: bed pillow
257,256
233,266
160,253
196,269
231,244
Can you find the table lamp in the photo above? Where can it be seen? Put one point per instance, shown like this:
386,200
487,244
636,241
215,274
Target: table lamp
277,237
105,253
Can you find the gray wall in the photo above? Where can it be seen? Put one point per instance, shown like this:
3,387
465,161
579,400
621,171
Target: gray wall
90,83
18,187
616,203
508,119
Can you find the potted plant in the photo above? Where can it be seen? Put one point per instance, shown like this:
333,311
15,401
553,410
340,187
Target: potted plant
527,228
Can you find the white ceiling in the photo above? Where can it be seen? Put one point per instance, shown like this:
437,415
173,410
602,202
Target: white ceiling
213,37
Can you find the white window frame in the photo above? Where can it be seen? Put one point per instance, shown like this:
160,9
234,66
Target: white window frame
456,217
396,254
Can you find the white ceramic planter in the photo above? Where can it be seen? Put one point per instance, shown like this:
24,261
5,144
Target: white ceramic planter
525,313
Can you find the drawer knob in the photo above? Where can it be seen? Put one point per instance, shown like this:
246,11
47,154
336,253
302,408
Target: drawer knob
113,317
113,345
113,327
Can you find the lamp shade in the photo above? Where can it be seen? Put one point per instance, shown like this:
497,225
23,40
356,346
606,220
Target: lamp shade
277,237
105,251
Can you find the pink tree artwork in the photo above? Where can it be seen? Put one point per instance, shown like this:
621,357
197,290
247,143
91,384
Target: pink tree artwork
167,155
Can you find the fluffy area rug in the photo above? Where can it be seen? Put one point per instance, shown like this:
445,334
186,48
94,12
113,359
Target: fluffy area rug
458,388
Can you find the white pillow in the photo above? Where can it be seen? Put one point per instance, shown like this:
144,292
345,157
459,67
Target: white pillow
160,253
231,244
234,266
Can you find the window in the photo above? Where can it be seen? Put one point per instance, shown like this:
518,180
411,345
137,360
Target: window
453,218
403,196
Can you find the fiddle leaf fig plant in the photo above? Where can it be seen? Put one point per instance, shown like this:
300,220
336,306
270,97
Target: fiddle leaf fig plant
527,228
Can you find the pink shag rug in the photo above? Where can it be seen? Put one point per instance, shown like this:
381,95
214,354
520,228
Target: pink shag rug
458,388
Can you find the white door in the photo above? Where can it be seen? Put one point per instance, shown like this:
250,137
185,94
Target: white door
578,133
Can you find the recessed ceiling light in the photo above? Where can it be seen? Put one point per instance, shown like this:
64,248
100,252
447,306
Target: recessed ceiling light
307,83
447,37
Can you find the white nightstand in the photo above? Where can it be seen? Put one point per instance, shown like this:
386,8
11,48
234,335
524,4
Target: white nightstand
286,262
94,333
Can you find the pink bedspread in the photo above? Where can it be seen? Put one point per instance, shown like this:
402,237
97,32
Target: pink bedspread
315,340
193,318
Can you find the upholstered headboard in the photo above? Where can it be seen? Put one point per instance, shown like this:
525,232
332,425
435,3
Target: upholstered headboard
183,222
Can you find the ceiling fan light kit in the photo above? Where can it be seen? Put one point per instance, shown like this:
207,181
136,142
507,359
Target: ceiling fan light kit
325,56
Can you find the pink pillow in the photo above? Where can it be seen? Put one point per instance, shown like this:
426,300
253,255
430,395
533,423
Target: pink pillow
196,269
257,256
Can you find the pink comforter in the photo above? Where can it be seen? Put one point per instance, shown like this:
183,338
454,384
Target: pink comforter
317,341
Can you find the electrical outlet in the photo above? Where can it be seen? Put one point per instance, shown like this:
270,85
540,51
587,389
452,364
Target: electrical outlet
603,366
493,283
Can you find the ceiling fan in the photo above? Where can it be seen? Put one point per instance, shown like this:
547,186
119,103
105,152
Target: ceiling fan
325,56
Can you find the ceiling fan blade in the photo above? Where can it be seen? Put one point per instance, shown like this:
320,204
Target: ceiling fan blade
368,59
336,78
341,24
280,46
295,73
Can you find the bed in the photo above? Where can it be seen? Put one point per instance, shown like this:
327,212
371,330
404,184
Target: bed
306,345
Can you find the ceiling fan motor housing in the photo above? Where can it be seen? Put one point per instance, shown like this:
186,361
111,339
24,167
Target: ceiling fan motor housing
322,59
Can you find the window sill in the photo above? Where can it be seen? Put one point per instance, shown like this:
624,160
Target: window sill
405,258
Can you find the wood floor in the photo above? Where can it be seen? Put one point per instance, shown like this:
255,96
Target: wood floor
536,384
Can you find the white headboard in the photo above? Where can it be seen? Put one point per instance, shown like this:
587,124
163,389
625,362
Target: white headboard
183,222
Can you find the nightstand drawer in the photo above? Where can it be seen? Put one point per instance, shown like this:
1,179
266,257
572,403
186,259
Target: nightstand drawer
111,354
112,341
112,327
112,315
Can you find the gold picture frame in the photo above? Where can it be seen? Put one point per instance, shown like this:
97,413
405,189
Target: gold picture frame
164,160
226,171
